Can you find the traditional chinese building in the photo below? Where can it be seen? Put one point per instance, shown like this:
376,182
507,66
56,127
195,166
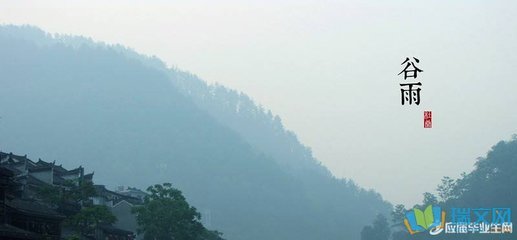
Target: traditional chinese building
120,203
24,217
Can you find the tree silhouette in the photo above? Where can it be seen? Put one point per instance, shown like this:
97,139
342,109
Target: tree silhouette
380,230
166,215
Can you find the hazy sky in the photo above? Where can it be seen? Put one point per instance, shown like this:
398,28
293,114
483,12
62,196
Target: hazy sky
329,69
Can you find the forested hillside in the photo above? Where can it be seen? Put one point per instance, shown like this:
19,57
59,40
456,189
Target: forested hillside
135,122
490,185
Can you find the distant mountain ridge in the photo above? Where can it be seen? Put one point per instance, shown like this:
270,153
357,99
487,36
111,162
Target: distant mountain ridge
136,122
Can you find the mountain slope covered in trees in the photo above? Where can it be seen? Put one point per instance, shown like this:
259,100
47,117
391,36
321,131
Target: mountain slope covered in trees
136,122
489,185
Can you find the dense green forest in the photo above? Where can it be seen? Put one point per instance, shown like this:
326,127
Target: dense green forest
490,185
137,122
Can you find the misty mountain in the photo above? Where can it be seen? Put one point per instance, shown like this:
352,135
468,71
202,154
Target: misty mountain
136,122
487,187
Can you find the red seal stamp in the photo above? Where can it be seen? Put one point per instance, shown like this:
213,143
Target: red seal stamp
428,119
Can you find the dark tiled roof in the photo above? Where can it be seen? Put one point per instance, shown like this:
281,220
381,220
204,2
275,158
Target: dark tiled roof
43,163
31,163
73,171
7,171
12,156
34,181
60,169
40,165
115,196
16,171
11,232
31,207
88,176
40,169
